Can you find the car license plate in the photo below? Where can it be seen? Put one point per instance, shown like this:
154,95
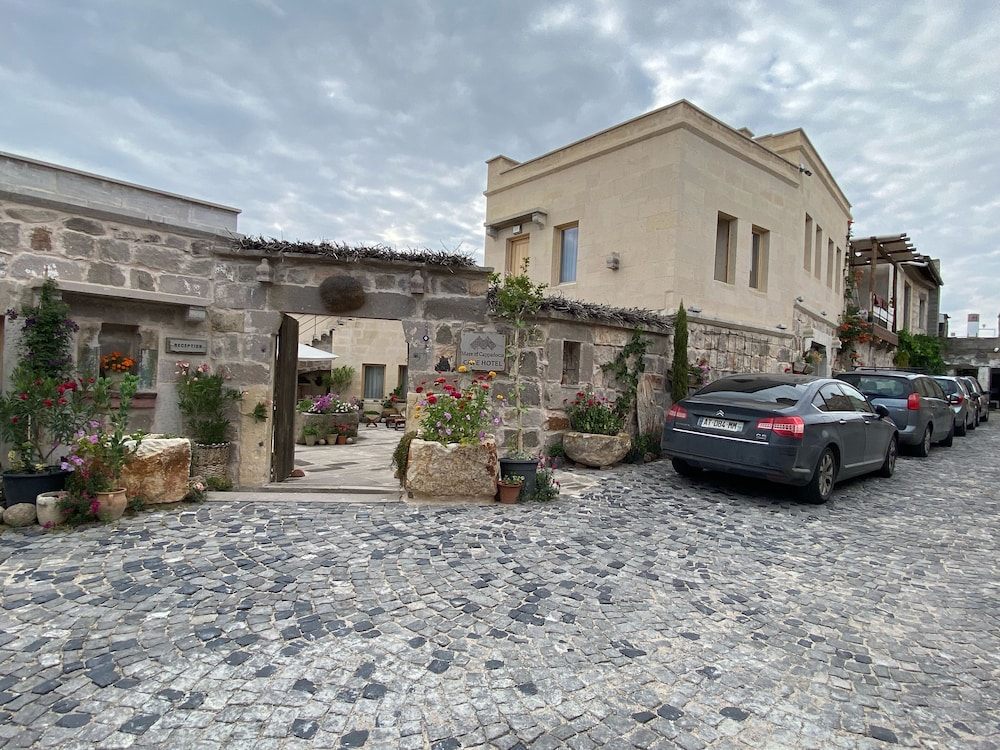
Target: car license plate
729,425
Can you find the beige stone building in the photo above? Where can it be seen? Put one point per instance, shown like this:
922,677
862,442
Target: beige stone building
749,232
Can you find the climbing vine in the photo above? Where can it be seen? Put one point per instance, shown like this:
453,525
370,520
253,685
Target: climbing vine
627,367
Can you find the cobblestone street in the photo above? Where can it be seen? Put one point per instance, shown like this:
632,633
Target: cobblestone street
656,611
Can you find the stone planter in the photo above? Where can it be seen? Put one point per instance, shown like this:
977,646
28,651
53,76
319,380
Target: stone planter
47,508
596,450
457,473
326,424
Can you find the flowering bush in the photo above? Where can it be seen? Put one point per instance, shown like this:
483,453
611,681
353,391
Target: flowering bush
116,362
203,397
329,403
591,413
46,403
454,411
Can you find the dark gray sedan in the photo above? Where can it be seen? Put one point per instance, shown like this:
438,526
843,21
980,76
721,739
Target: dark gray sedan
794,429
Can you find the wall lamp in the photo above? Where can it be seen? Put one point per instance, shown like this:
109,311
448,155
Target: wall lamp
694,309
803,170
782,327
800,299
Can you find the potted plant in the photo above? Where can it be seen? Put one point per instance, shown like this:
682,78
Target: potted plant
509,488
46,403
516,299
310,434
454,454
98,456
204,398
596,438
114,366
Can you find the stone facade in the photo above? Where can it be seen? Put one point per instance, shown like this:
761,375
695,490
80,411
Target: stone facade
161,277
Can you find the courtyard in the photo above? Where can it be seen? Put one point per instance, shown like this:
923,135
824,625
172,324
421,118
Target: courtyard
640,609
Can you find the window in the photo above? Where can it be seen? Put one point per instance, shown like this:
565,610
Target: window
829,263
907,304
401,379
758,258
840,270
568,237
807,244
857,401
374,381
725,258
922,313
817,266
571,362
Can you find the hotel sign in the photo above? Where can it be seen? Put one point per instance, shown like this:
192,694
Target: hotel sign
187,346
487,350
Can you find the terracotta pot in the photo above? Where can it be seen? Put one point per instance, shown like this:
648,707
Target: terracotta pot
111,505
341,439
509,492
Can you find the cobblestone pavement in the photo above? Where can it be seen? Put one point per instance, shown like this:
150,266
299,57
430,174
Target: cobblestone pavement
652,611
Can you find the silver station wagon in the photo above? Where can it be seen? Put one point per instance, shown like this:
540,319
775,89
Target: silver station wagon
794,429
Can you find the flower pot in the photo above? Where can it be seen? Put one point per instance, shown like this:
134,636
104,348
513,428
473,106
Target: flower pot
331,439
453,472
509,491
596,450
521,467
111,505
341,439
48,510
310,439
25,487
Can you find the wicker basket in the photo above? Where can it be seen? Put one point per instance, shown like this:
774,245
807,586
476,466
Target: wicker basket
209,460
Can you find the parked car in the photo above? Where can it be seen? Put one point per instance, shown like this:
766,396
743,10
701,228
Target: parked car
915,402
981,397
793,429
965,409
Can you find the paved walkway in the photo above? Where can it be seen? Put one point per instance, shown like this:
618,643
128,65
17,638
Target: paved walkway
648,611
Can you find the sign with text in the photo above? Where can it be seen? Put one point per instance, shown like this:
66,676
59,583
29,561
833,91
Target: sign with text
187,346
487,350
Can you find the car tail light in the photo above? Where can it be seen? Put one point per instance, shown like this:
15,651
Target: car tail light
792,427
960,398
913,401
677,412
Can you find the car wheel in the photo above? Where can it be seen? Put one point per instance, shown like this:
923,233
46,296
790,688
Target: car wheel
889,464
975,420
683,468
985,417
949,439
820,487
962,429
923,449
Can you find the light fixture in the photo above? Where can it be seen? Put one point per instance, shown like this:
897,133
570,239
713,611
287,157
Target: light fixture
803,170
694,309
196,314
823,313
782,327
800,299
416,283
265,274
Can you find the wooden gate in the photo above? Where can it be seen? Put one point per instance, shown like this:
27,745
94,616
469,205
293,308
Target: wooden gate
285,390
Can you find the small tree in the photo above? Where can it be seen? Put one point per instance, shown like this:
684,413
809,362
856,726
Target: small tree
679,369
516,299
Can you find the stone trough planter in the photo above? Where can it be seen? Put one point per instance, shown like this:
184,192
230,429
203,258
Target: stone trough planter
456,473
596,450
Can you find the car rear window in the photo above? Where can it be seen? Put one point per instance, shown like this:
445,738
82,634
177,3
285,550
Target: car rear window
879,386
948,386
757,389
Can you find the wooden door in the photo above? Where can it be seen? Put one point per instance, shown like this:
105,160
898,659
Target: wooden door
517,253
285,390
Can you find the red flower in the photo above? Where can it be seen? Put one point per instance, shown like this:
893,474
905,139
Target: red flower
63,402
24,396
432,399
419,389
47,402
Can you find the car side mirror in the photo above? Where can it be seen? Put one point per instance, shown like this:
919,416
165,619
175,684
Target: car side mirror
882,411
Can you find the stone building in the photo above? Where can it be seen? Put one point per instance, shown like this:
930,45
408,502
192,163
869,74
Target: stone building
749,232
165,278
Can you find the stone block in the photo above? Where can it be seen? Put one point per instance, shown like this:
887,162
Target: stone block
32,215
462,473
21,514
596,450
158,472
86,226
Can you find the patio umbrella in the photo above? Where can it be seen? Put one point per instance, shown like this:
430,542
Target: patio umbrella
311,353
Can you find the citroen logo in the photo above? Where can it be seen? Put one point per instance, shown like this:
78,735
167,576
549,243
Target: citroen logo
720,413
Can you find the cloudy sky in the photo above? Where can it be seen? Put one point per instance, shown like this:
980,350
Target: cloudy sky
369,121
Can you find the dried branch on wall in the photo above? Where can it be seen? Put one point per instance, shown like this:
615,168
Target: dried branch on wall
622,317
343,251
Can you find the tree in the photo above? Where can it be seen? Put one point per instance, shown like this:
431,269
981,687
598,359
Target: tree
679,369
